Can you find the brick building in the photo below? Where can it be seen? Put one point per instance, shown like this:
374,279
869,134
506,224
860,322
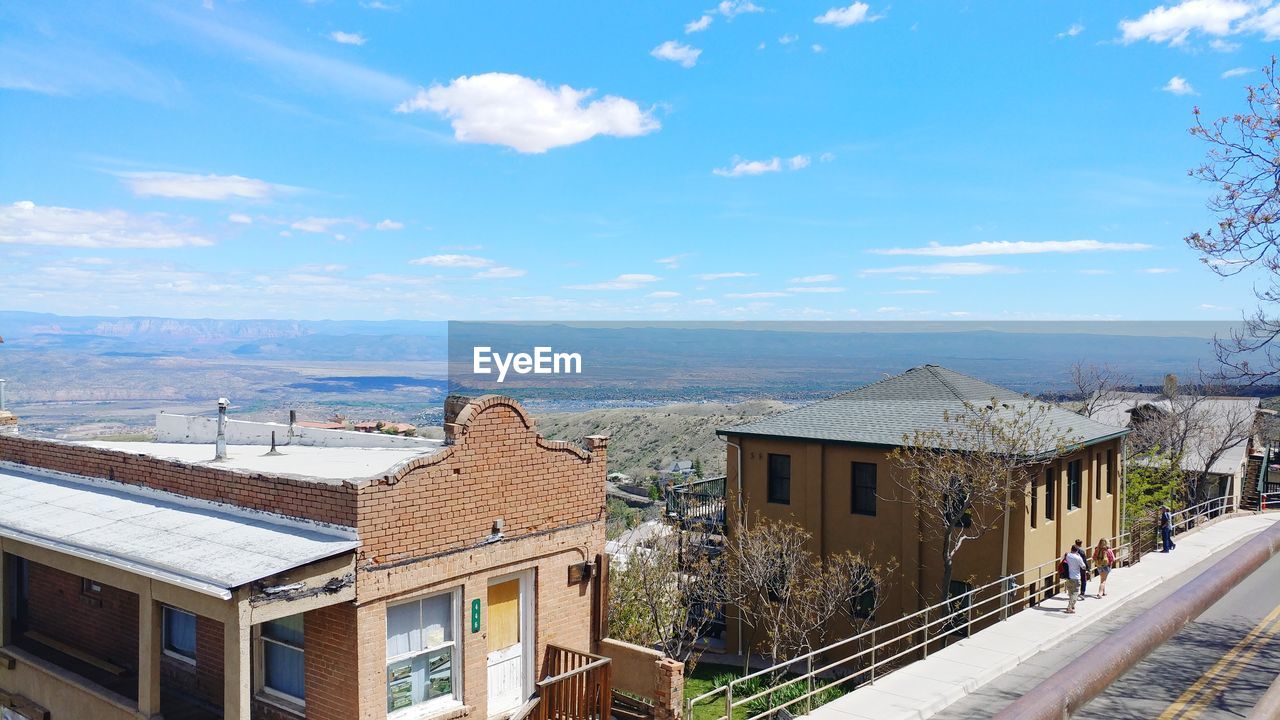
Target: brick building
332,580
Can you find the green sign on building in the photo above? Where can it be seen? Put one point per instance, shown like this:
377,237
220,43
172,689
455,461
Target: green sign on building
475,615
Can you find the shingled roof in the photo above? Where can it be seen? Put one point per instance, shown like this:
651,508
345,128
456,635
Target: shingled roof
883,412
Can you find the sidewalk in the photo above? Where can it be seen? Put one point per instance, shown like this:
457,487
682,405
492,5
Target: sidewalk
928,686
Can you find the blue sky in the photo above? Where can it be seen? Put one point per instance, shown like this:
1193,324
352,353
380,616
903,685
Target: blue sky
586,160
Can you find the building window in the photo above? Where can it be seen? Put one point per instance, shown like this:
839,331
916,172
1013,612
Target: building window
864,603
779,490
280,656
1075,479
1097,486
1035,501
90,587
421,667
1050,493
864,488
179,634
1111,472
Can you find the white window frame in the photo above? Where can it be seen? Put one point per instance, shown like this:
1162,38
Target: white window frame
440,704
260,689
164,635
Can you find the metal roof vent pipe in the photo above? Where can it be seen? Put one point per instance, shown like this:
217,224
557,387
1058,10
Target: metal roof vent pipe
220,451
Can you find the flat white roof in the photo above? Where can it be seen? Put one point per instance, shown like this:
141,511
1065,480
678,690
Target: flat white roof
319,463
208,547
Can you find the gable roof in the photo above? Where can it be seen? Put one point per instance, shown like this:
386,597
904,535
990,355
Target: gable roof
1220,411
883,412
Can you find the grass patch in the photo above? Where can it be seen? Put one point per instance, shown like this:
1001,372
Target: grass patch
708,676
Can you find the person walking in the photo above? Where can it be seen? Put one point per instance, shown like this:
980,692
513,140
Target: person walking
1104,557
1073,565
1084,576
1166,529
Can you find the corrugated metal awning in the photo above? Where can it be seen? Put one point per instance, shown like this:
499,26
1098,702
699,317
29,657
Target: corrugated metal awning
208,547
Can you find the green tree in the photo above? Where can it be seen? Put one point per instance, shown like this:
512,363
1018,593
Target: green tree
1152,478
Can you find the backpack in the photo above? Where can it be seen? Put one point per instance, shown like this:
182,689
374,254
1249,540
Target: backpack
1064,570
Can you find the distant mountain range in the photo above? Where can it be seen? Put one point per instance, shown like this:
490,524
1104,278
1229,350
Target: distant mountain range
257,339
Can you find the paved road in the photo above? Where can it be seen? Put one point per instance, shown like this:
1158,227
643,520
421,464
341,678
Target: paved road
1216,668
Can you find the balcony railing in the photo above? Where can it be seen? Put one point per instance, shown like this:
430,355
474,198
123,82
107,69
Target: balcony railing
698,505
575,686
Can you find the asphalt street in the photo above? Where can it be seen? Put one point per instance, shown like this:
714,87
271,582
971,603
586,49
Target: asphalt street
1214,669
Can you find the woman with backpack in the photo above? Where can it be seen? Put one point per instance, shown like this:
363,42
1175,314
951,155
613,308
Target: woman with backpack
1105,558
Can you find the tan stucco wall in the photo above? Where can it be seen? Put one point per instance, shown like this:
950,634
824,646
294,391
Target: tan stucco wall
821,487
62,693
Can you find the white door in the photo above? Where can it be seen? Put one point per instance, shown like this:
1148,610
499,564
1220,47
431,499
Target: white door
507,681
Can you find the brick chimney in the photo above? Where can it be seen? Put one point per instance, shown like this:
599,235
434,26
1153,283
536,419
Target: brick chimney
452,406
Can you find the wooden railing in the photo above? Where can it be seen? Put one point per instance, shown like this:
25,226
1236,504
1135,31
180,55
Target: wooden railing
575,686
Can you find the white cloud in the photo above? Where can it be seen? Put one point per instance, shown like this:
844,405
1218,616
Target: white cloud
672,261
346,38
825,277
788,39
734,8
663,294
756,295
725,275
324,224
1074,30
453,261
527,115
843,17
626,281
823,289
389,225
377,5
1223,46
1174,24
1236,72
826,157
817,49
500,272
1208,306
749,167
888,309
1158,270
240,218
1178,85
798,162
1006,247
25,223
957,268
191,186
698,25
686,55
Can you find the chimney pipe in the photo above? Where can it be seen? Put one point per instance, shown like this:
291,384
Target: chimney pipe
220,453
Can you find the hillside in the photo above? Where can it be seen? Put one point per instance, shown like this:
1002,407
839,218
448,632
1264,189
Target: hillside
645,439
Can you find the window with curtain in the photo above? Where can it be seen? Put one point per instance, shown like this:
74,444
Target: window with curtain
421,666
281,644
178,634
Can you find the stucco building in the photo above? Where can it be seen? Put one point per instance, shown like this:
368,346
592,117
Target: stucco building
826,468
342,576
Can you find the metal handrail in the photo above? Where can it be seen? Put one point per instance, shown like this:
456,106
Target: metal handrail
1089,675
1013,593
